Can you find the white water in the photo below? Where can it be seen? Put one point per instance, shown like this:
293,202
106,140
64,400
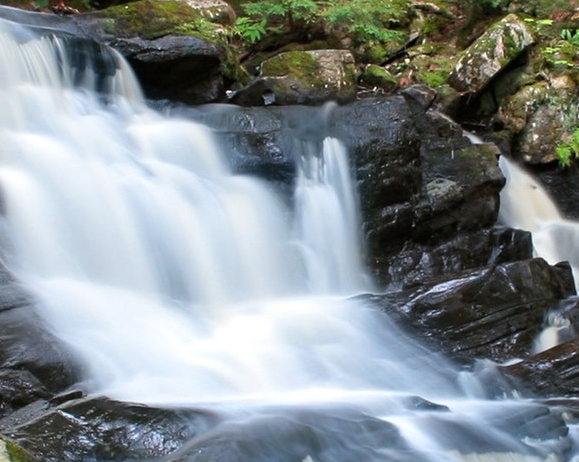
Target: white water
176,281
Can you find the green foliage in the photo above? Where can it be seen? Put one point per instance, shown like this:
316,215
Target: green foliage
294,14
539,22
369,20
554,57
364,21
569,150
498,5
571,36
249,29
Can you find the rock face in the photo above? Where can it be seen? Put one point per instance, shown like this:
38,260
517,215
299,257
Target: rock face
418,197
302,77
187,68
429,196
102,429
33,363
492,313
541,117
500,45
174,50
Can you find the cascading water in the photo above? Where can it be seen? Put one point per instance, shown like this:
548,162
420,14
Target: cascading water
525,204
178,282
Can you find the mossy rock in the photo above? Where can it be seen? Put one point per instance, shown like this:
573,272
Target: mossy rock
151,19
540,116
10,451
492,52
378,77
433,71
303,77
313,76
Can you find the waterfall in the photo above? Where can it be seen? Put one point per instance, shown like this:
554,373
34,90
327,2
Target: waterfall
526,204
179,282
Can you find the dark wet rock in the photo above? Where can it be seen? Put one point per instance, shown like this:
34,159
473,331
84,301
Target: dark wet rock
553,372
19,388
423,184
562,186
102,429
494,312
27,345
334,435
425,189
415,262
187,69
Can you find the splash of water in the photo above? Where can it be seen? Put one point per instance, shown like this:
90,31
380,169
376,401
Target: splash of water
177,281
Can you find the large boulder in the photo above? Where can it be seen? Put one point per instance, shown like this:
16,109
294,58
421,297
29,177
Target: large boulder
425,189
492,313
423,184
541,117
176,50
491,53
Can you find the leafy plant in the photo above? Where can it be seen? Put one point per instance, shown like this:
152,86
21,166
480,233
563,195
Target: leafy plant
249,29
569,150
571,37
369,20
539,22
295,14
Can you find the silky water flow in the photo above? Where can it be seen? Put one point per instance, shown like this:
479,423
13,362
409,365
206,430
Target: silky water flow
179,283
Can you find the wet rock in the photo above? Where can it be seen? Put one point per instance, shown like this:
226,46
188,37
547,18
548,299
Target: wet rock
423,191
561,184
494,50
384,147
178,50
17,389
494,312
336,435
103,429
461,182
28,346
554,372
302,77
186,69
416,261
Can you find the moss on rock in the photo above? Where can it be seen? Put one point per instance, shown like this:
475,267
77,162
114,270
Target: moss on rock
10,451
377,76
500,45
151,19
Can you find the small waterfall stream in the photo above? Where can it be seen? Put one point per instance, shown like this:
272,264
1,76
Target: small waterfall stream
179,282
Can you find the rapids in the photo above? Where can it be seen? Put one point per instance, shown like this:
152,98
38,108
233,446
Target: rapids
177,282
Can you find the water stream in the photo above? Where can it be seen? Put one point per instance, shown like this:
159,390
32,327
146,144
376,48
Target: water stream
178,282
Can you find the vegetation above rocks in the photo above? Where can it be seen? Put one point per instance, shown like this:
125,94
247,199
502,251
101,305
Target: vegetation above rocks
397,43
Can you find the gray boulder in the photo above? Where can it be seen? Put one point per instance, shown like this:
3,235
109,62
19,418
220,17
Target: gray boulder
492,52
